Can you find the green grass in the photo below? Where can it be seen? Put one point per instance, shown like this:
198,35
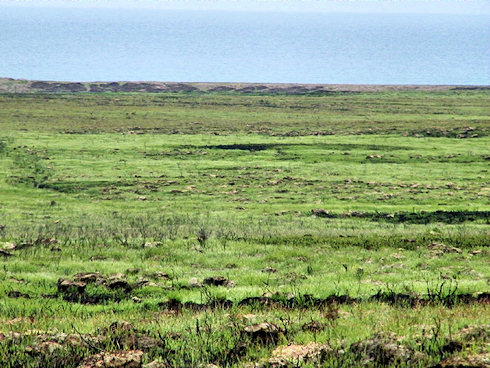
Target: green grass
339,195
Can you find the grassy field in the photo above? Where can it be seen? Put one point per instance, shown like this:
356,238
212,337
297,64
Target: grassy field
245,230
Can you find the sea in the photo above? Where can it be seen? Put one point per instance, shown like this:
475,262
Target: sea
68,44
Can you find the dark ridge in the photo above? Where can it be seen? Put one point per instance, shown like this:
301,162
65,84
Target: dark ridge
471,88
115,290
336,146
242,147
423,217
308,301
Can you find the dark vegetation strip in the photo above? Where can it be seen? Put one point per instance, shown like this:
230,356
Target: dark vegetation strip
264,146
423,217
446,296
94,288
308,301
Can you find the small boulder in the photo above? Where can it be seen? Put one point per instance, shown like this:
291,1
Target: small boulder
264,332
194,283
90,277
320,212
470,361
117,359
156,364
298,355
118,282
384,349
8,246
140,282
216,281
44,348
69,286
160,275
438,249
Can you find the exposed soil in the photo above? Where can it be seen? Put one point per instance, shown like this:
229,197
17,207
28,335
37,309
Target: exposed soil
8,85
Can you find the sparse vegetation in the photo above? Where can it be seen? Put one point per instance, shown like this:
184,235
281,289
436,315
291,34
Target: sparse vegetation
187,229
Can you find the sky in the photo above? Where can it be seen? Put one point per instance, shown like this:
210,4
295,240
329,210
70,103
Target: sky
370,6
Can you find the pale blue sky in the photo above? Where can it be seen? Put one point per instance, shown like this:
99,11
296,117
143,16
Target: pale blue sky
384,6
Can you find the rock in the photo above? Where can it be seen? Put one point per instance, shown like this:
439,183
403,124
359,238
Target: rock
216,281
194,282
44,348
8,246
439,249
470,361
142,282
298,355
384,349
264,332
117,359
68,286
156,364
160,275
475,252
90,277
320,212
119,283
136,299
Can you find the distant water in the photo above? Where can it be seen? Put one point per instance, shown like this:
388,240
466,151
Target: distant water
110,45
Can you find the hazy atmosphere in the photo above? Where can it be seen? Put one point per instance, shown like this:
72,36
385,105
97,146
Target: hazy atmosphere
405,6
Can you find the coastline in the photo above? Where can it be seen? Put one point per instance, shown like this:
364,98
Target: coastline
11,85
